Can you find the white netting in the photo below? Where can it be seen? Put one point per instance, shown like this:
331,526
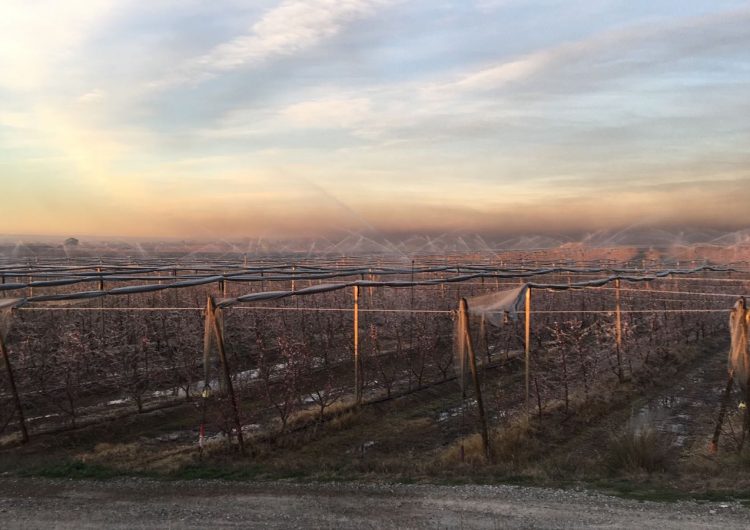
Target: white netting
495,308
739,356
6,314
461,328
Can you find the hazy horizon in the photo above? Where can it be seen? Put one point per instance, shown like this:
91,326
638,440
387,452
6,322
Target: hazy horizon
639,236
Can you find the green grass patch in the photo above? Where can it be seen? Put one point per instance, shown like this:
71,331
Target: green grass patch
656,493
211,472
74,469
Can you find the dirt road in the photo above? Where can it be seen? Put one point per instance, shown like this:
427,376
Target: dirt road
135,503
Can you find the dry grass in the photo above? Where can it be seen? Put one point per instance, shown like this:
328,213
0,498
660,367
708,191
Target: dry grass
510,447
343,420
467,450
135,458
12,439
640,448
311,415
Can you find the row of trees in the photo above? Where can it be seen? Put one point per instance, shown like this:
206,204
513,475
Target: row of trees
73,363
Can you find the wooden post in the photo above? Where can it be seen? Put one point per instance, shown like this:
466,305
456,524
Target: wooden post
475,377
458,284
618,330
212,321
207,345
527,340
485,338
714,445
411,315
101,301
14,391
358,383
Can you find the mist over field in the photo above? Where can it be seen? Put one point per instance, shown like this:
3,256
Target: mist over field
696,245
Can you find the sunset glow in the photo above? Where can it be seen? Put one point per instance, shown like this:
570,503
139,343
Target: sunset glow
298,118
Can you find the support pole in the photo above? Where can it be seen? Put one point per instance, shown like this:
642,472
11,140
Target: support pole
618,316
458,284
206,390
411,317
14,391
527,340
618,330
484,338
475,377
219,337
207,345
714,446
101,300
358,383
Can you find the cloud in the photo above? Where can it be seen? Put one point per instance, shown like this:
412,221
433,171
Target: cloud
371,118
289,29
93,96
609,56
554,94
331,112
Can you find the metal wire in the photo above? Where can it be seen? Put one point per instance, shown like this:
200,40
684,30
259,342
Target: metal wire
349,310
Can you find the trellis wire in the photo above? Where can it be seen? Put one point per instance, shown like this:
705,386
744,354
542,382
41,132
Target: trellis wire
459,281
349,310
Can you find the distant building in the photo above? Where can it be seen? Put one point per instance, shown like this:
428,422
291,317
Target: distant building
71,242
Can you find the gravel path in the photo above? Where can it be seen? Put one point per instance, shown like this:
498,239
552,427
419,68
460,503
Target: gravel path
136,503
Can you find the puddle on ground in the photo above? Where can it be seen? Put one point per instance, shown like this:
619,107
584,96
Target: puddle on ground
464,408
672,414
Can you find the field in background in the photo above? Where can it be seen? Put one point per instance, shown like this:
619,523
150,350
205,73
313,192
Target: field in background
116,384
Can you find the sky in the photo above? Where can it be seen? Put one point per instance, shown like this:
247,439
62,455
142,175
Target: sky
180,118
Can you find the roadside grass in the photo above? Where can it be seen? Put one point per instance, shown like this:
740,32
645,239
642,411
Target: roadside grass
310,416
640,448
73,469
657,491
